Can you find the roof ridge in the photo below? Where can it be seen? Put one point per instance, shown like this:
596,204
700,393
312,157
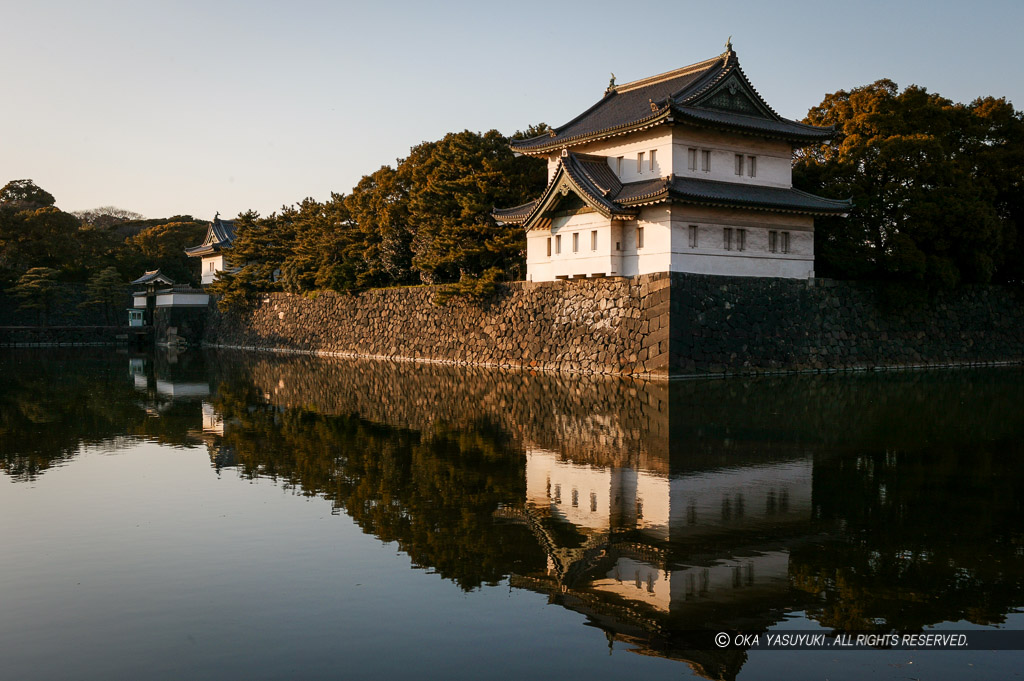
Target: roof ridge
668,75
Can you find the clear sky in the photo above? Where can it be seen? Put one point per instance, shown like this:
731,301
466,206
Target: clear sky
194,107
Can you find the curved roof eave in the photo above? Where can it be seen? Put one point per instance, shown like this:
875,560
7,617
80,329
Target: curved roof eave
558,144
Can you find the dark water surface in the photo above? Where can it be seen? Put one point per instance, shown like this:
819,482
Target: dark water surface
239,516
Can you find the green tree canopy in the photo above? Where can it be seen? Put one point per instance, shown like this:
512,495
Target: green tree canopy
379,207
427,220
38,290
37,237
106,217
25,194
162,246
935,184
454,184
107,290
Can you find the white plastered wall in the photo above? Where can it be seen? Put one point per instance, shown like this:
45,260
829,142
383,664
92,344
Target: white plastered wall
656,253
774,158
658,139
710,256
211,265
575,493
585,261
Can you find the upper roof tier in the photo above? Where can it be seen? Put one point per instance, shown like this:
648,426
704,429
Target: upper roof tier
714,93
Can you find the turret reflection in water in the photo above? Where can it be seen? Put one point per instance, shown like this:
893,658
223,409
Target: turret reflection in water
626,511
56,401
659,510
655,510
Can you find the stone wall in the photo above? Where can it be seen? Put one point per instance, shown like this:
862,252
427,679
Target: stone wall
172,323
654,326
743,325
614,326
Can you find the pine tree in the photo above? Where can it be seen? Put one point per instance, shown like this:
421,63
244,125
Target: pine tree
106,289
38,290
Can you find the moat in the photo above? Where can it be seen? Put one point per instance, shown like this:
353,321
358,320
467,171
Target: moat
236,515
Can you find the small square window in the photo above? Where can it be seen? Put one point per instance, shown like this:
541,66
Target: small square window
692,154
639,161
593,240
549,247
558,244
575,242
739,164
639,237
727,238
693,236
784,241
653,154
741,239
773,241
752,166
705,161
618,165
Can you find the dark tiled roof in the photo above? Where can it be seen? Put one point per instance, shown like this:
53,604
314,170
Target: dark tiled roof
154,277
514,214
782,127
645,190
598,172
224,230
590,178
582,170
753,196
685,91
219,235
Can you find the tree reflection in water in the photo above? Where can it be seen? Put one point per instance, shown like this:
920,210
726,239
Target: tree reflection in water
884,502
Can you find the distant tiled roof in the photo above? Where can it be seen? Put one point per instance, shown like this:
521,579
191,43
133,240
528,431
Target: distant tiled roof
219,235
154,277
713,92
612,199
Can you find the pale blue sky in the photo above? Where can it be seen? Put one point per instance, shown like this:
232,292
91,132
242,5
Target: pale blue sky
195,107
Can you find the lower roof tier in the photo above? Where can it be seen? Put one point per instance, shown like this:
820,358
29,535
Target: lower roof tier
674,189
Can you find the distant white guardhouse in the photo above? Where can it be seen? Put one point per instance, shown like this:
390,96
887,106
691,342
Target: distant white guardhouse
687,171
219,236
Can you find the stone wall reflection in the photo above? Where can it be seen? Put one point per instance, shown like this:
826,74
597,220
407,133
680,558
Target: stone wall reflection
885,501
583,417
